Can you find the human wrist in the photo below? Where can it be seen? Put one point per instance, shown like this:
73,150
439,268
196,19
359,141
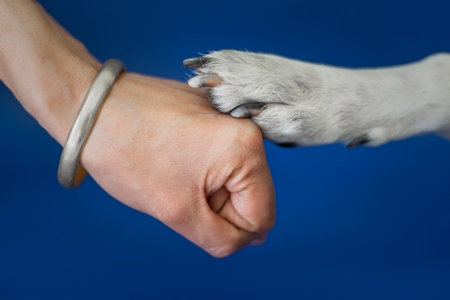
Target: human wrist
53,89
48,70
70,173
59,93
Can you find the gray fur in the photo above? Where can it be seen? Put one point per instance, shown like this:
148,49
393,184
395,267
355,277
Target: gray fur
310,104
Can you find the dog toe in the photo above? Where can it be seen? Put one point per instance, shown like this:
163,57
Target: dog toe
196,62
250,109
359,141
205,80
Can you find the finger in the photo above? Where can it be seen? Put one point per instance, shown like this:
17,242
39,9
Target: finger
251,203
218,199
252,196
210,231
221,203
221,238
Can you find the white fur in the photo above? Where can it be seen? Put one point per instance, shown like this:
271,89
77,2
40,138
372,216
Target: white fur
310,104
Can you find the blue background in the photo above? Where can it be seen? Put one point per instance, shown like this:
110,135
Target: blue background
368,223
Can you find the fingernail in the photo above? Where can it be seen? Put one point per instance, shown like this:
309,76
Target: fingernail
256,242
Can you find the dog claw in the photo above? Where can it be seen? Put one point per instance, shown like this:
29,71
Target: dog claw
196,62
247,110
205,80
364,139
287,145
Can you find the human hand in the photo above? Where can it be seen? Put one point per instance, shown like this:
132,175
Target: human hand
157,145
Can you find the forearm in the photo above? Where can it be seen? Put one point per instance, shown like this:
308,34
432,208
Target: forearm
48,73
157,146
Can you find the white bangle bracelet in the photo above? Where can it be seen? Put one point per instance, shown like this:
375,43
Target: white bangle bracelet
70,172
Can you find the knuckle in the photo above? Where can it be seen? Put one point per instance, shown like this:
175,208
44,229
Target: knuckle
259,241
173,216
263,225
243,134
224,250
220,252
249,135
266,225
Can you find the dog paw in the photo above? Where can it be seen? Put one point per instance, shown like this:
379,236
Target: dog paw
297,103
286,98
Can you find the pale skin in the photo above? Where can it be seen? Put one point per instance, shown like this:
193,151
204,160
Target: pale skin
157,146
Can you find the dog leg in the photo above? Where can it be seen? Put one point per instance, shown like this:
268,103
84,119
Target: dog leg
298,103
